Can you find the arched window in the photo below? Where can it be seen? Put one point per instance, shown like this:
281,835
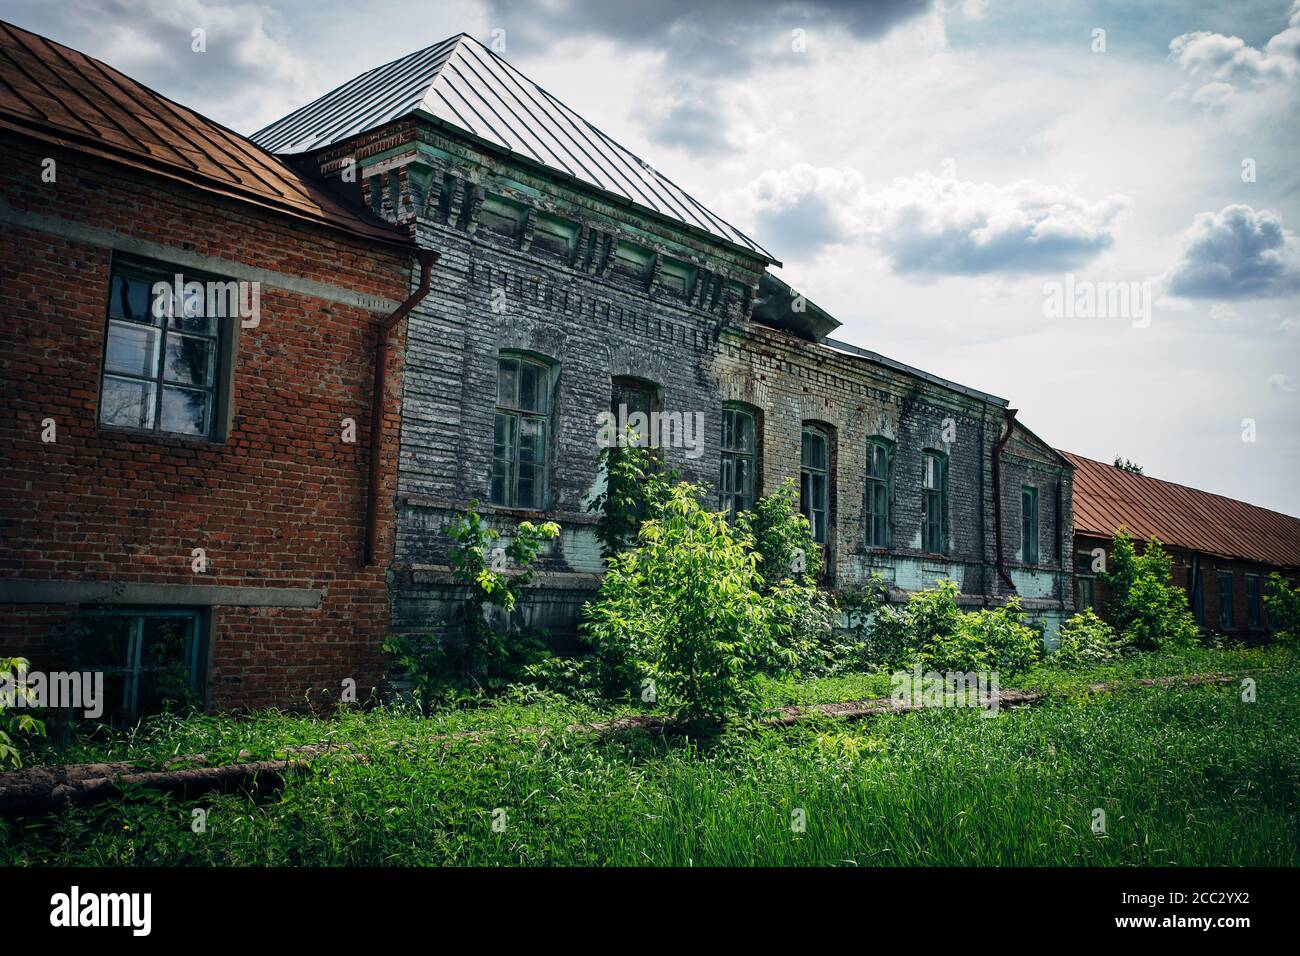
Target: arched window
521,431
627,397
814,471
880,463
934,503
738,482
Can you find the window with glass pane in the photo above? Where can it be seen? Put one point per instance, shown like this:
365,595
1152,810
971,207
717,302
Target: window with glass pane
739,453
520,432
1226,615
161,356
629,396
934,481
879,461
1254,608
813,468
151,659
1029,524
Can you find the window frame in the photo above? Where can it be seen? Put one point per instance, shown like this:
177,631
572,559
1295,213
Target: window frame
729,497
1254,602
519,415
1227,612
933,524
879,525
1029,555
196,655
808,476
222,339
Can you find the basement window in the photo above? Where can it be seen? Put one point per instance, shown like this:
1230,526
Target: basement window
163,352
520,432
152,659
934,492
737,483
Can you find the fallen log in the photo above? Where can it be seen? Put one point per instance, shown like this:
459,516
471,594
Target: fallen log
46,789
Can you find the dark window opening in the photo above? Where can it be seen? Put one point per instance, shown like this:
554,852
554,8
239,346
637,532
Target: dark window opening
738,482
1029,524
520,432
152,659
879,478
1254,604
1226,615
814,469
934,488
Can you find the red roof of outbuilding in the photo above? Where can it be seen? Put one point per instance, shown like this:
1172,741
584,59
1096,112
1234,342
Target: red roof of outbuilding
1107,498
54,93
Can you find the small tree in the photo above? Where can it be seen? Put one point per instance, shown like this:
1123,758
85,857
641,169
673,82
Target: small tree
683,614
783,538
1132,467
636,487
1087,640
1283,605
1147,609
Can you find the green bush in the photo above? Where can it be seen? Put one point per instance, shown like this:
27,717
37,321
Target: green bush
783,538
1283,605
1147,610
14,693
1087,640
683,618
636,487
476,652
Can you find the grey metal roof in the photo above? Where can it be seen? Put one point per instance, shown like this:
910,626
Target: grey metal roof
461,83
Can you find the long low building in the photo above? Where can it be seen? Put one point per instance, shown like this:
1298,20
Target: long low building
1223,550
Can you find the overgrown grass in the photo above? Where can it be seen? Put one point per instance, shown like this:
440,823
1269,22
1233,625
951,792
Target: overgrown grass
1187,776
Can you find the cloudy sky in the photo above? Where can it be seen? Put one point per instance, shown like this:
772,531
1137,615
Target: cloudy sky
935,174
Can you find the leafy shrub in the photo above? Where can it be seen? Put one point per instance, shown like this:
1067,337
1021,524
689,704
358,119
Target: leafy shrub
1087,640
1283,605
783,538
477,651
636,487
685,611
14,693
1147,610
931,630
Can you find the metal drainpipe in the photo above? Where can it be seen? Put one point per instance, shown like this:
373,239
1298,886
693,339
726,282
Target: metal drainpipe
1009,418
426,257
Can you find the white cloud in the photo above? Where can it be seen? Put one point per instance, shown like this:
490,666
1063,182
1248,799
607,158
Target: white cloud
934,225
1237,253
1220,67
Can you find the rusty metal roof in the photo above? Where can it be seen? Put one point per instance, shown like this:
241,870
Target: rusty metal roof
461,83
56,94
1106,499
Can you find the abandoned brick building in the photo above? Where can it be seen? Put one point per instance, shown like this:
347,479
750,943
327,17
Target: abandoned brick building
1222,550
213,495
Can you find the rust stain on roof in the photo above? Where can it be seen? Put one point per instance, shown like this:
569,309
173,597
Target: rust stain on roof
56,94
1106,499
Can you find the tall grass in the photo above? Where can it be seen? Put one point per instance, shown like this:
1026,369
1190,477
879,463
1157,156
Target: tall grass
1187,776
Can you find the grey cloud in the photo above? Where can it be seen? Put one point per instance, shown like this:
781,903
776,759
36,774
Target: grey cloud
1237,253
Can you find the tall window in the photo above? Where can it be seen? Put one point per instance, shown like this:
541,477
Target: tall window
519,442
1226,616
879,464
739,454
149,658
160,355
814,466
1029,524
934,490
1254,608
1196,585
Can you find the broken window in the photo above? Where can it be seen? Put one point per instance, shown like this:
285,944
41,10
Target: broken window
151,659
934,489
739,455
879,464
1029,524
520,432
161,355
814,468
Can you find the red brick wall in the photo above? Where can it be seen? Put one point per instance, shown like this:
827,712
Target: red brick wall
280,503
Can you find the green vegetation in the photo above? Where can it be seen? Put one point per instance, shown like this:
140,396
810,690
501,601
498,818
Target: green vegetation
14,693
1147,607
1186,776
1283,605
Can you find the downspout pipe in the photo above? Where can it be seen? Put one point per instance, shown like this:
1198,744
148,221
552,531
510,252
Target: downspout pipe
1008,425
426,257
